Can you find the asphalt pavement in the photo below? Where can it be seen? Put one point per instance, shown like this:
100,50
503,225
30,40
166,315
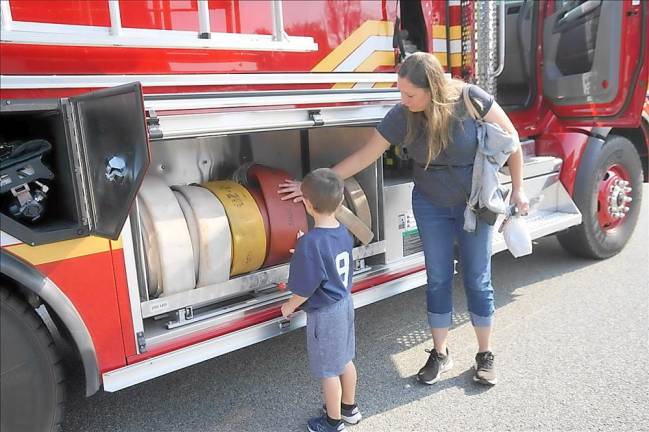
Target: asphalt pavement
571,343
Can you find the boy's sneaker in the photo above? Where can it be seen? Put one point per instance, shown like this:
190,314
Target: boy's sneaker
320,424
351,416
436,365
485,371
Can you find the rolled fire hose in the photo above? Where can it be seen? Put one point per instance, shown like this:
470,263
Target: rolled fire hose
285,218
357,201
246,225
259,199
152,257
168,230
354,224
210,233
192,225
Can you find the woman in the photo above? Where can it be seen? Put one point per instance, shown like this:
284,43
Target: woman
433,127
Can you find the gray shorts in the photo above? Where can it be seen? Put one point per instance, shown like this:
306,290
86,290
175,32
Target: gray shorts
330,339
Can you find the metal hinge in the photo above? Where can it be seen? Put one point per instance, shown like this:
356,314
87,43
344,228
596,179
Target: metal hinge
78,168
316,116
141,342
153,124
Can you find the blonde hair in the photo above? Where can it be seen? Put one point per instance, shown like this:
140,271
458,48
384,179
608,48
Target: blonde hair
424,71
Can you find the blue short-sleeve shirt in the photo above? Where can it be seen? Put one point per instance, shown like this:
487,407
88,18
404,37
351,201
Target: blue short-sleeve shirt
321,267
440,186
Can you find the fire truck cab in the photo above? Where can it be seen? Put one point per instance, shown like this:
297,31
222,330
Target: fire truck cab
141,144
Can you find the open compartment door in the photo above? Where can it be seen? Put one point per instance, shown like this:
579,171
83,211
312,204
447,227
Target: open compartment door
595,61
113,148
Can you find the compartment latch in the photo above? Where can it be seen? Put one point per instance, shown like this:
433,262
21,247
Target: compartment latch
316,116
141,342
116,169
153,125
284,324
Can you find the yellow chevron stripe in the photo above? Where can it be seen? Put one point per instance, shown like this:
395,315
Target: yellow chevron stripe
342,51
383,85
456,59
439,32
116,244
62,250
376,59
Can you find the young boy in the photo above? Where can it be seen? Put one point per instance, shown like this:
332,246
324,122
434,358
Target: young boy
320,276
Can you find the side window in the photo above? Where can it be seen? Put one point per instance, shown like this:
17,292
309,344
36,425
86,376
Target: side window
342,265
567,4
577,26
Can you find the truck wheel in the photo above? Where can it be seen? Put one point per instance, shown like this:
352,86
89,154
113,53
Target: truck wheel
608,192
32,376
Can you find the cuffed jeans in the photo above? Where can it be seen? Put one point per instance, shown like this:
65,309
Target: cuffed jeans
439,227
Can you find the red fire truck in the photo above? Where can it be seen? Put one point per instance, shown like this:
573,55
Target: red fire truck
141,143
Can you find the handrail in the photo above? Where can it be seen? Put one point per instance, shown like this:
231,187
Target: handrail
115,35
115,18
204,31
5,15
501,39
278,21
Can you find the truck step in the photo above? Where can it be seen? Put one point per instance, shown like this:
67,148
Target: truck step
528,147
540,224
534,167
552,209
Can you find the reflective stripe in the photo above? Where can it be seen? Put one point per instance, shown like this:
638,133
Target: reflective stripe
162,80
58,251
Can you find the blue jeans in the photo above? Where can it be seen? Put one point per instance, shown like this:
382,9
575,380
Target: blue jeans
439,227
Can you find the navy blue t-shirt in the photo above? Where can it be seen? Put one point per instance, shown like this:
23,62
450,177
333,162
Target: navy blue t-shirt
440,186
321,267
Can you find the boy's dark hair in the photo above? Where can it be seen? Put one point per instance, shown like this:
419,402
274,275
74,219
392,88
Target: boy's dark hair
324,190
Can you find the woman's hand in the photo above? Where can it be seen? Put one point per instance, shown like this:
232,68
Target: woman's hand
290,189
287,310
519,199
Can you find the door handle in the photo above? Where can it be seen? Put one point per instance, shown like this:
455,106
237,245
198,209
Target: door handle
116,169
501,40
578,12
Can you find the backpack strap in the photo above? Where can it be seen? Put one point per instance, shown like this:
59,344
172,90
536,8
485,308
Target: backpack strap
473,112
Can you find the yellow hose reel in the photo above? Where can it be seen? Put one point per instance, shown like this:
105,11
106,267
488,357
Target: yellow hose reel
246,225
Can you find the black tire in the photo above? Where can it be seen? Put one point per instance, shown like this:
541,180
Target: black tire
32,377
591,239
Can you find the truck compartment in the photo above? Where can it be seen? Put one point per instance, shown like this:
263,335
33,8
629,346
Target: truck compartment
206,243
58,215
185,304
196,211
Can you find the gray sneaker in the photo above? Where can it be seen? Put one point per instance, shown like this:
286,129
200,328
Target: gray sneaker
485,371
349,416
320,424
436,365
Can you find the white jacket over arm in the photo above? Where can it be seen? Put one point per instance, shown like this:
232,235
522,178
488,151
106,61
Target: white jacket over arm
494,148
